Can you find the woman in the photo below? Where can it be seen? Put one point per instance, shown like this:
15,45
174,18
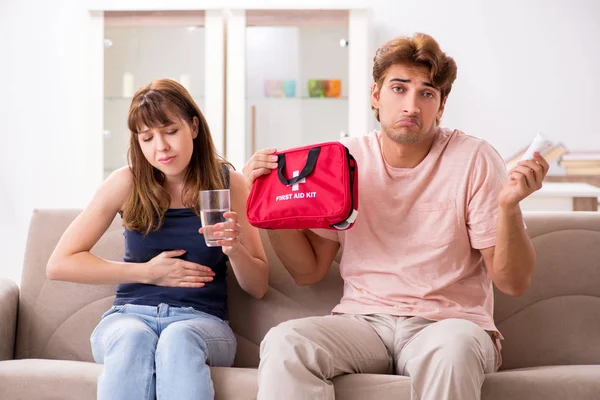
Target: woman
168,323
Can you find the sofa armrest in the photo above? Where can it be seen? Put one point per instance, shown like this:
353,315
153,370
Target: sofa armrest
9,305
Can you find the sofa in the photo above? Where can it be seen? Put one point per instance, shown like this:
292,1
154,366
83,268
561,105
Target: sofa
551,349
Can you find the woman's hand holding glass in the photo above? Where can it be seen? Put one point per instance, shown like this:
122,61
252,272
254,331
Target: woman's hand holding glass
228,232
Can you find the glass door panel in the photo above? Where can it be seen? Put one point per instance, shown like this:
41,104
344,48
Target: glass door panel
296,77
141,47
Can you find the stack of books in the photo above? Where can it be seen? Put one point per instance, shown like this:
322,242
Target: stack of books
581,163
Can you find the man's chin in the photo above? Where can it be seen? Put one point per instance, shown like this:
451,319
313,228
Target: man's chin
406,135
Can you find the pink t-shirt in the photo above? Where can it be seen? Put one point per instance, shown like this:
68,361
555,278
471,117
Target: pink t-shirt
414,249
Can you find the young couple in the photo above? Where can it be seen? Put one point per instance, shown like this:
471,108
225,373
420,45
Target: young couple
439,223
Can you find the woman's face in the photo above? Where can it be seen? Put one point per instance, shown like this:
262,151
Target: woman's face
169,148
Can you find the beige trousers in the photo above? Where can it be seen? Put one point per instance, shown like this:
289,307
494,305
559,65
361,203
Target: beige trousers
445,360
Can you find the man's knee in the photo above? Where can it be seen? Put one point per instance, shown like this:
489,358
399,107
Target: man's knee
283,335
290,339
460,341
294,347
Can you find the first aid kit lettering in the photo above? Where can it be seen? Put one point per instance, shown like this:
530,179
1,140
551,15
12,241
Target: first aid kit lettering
301,195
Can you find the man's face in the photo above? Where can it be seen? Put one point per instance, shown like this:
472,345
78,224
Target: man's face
408,104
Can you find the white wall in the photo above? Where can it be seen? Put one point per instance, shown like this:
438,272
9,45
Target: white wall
523,67
42,109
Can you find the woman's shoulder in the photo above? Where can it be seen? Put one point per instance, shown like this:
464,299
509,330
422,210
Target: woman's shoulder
121,178
239,190
236,179
117,186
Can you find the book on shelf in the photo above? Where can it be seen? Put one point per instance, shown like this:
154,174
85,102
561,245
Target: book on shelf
581,163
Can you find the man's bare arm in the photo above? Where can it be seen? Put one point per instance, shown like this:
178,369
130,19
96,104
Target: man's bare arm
306,255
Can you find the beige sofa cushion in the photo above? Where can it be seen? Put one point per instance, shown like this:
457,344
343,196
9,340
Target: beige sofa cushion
9,301
557,321
542,383
48,379
55,379
251,319
56,319
570,382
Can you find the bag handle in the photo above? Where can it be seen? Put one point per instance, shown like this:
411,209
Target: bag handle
311,160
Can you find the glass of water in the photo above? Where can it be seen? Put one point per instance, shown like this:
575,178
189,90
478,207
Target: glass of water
213,204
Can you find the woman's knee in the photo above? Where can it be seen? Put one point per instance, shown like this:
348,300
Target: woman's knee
135,333
211,343
181,335
125,335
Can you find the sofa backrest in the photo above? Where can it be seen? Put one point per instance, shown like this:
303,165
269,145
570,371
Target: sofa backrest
56,318
555,322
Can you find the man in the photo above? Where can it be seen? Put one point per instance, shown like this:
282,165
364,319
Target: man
439,222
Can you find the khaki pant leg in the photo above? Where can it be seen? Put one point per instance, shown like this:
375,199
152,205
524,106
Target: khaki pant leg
446,360
299,357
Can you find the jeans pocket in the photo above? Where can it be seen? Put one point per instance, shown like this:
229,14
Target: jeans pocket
97,343
112,310
199,313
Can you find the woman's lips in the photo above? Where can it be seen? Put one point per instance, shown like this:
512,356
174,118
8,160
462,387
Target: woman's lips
166,160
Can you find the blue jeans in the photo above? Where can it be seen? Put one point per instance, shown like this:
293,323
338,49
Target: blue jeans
160,352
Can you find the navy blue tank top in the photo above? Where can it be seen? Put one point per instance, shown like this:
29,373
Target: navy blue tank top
179,231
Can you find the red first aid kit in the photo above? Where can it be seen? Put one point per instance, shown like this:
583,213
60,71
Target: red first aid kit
313,187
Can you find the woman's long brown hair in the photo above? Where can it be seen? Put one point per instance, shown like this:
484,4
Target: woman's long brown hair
155,105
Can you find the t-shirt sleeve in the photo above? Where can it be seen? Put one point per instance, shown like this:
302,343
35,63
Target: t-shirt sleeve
488,176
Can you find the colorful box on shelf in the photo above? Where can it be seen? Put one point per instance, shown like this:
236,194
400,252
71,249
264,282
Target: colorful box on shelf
324,88
280,88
